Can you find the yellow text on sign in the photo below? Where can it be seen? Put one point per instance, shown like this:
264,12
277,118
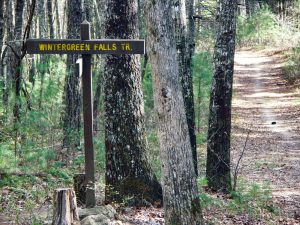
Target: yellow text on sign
84,47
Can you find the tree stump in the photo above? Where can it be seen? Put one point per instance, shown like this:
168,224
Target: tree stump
80,188
65,207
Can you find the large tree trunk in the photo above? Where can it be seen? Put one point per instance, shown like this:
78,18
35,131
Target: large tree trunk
218,144
181,199
128,171
72,96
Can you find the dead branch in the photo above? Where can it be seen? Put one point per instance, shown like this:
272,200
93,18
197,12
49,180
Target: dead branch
236,171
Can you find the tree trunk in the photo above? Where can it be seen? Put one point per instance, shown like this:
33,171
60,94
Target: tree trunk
2,26
17,70
88,9
65,207
218,144
72,96
188,79
50,19
181,199
2,31
80,187
9,53
57,20
128,172
43,59
185,32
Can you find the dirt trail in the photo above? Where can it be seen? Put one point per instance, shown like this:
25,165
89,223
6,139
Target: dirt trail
264,104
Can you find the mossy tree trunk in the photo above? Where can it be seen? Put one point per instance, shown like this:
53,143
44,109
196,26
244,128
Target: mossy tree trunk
181,199
128,172
218,144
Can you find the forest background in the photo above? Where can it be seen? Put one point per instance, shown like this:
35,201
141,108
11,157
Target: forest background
41,148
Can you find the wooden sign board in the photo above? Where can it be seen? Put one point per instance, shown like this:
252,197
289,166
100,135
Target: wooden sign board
69,46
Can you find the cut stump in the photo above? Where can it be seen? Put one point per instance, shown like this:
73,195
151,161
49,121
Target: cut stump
65,207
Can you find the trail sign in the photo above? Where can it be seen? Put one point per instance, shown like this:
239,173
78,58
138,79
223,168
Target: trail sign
42,46
86,47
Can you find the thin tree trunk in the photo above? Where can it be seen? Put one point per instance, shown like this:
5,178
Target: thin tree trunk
181,199
218,144
128,172
43,60
17,62
2,31
188,79
2,24
9,54
50,19
57,20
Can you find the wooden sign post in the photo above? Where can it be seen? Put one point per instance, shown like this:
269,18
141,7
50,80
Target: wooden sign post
86,47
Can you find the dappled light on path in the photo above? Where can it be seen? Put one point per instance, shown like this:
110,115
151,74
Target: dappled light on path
265,105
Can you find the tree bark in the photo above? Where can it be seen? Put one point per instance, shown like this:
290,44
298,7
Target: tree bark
181,199
72,96
128,172
218,144
65,207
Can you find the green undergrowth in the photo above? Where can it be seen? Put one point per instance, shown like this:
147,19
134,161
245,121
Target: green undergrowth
264,28
23,196
251,199
202,78
291,68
